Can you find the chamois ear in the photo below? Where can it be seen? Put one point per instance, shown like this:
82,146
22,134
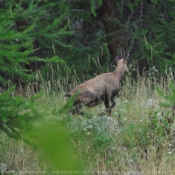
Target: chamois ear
126,58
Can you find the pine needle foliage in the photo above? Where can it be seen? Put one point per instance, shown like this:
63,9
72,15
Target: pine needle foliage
16,114
11,43
147,29
29,33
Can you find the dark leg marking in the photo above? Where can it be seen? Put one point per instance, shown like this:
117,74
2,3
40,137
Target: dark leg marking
76,110
113,102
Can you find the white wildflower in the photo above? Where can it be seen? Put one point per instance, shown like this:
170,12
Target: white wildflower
158,114
90,126
130,160
126,101
169,152
84,129
124,118
151,102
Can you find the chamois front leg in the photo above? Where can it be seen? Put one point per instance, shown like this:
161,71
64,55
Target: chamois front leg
113,102
107,105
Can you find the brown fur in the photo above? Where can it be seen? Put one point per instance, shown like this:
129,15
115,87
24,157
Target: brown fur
99,89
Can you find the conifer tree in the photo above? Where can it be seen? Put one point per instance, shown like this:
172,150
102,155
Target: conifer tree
28,32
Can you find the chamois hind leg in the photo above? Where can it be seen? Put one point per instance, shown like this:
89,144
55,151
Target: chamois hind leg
76,110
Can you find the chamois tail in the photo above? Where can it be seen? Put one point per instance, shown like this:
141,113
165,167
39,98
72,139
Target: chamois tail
67,95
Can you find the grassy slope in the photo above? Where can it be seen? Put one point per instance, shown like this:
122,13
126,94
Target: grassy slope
101,149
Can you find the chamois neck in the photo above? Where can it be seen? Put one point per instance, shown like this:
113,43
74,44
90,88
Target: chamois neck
119,71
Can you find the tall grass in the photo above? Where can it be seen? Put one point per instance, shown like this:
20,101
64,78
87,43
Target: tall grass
16,157
113,145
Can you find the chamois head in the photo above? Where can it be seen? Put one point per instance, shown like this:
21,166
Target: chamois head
122,64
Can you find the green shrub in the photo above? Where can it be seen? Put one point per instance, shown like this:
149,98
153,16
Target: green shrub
16,113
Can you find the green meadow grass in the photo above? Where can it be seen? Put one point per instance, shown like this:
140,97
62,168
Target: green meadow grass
134,138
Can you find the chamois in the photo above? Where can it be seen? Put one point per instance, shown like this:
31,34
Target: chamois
99,89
